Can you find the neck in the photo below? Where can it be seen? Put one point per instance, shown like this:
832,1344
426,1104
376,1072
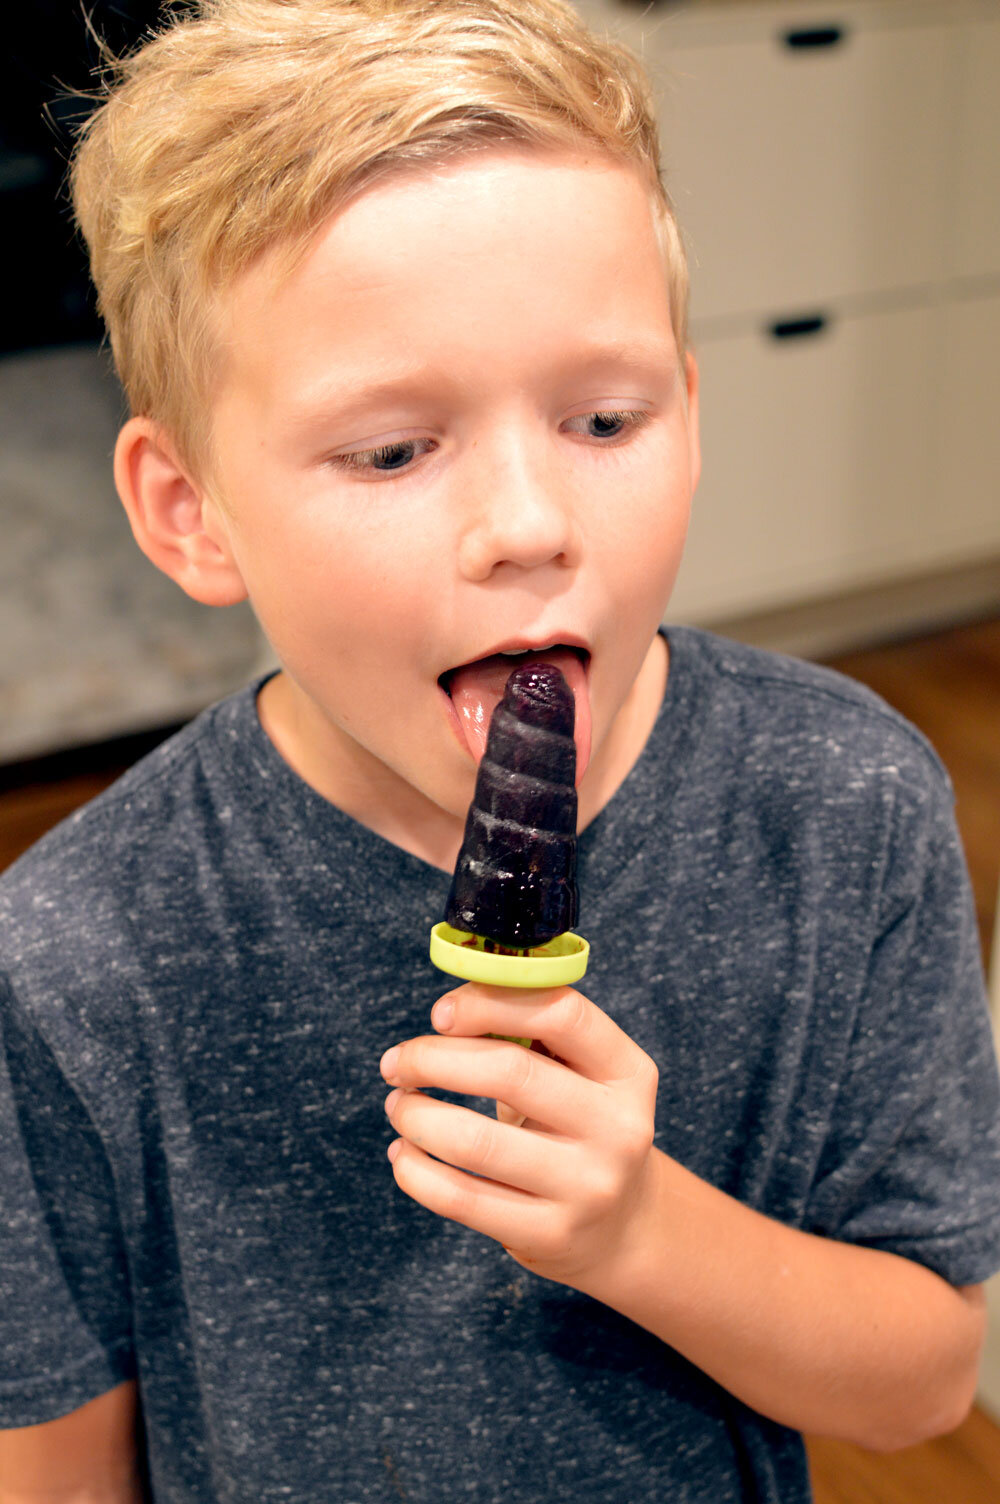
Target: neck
354,780
374,795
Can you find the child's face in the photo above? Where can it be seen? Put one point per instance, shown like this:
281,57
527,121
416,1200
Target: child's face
503,510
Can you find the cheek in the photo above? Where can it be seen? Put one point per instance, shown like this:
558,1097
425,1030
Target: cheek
316,568
667,533
648,527
668,516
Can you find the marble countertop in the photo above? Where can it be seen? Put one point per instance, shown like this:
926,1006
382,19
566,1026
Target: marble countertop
95,641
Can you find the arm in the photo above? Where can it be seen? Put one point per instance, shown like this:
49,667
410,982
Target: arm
822,1336
90,1456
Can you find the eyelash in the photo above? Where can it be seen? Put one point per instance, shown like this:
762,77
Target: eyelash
361,459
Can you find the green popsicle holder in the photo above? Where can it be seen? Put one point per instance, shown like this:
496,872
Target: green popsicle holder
557,963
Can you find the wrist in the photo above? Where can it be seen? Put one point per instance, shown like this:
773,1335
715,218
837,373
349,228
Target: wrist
637,1251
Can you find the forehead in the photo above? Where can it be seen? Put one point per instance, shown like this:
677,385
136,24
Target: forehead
468,257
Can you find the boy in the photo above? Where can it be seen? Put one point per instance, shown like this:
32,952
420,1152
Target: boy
398,301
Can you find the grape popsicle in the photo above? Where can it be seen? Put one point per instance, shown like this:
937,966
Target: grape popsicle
513,899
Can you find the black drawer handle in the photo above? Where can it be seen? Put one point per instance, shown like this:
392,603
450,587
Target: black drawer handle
814,36
813,323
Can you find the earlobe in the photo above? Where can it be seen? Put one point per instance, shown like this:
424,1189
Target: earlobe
170,516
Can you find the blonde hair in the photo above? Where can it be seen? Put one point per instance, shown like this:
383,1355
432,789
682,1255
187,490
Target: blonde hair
242,125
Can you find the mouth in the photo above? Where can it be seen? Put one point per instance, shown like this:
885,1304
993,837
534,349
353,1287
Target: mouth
473,690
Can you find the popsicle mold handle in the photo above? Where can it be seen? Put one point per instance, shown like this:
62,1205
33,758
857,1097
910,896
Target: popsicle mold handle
557,963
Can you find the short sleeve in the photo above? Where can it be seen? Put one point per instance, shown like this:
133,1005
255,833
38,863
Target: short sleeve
912,1161
65,1319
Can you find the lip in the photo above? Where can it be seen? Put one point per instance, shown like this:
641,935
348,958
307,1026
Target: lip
519,645
524,645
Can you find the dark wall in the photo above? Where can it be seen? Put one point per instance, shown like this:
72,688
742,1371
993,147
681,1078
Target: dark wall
48,298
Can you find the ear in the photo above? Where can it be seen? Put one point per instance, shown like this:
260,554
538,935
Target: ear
175,521
694,429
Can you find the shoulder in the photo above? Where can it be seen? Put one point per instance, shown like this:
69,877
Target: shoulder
118,820
104,873
787,719
806,771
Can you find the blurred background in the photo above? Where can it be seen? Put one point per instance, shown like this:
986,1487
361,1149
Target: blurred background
836,171
96,643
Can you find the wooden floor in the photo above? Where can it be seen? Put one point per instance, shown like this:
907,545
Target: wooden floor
963,1468
948,685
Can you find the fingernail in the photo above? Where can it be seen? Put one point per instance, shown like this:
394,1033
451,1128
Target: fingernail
392,1099
389,1062
394,1149
443,1014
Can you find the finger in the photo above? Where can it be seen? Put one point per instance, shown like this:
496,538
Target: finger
533,1162
529,1083
506,1114
572,1028
512,1217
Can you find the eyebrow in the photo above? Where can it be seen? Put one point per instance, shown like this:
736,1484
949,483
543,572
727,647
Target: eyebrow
639,355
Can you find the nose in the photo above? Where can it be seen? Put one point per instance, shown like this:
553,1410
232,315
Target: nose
520,511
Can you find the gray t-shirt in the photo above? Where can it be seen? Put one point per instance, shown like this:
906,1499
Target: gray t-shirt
203,967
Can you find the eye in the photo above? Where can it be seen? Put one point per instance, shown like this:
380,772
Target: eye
385,461
630,418
392,459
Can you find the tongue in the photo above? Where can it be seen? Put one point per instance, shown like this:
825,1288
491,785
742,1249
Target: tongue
477,689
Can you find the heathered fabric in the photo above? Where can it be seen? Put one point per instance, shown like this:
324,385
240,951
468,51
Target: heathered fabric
203,968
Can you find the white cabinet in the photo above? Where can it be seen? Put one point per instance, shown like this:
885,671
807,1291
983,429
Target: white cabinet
818,460
803,173
968,427
836,170
977,158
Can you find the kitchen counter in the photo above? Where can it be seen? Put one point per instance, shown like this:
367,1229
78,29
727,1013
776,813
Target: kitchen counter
95,641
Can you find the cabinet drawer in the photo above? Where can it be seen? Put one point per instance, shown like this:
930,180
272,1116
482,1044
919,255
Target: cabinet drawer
977,211
819,457
967,508
809,171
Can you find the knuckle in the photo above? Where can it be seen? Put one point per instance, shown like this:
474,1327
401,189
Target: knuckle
604,1189
640,1093
518,1069
570,1012
645,1079
456,1202
636,1135
481,1144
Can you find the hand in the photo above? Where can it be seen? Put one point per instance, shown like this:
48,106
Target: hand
565,1172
